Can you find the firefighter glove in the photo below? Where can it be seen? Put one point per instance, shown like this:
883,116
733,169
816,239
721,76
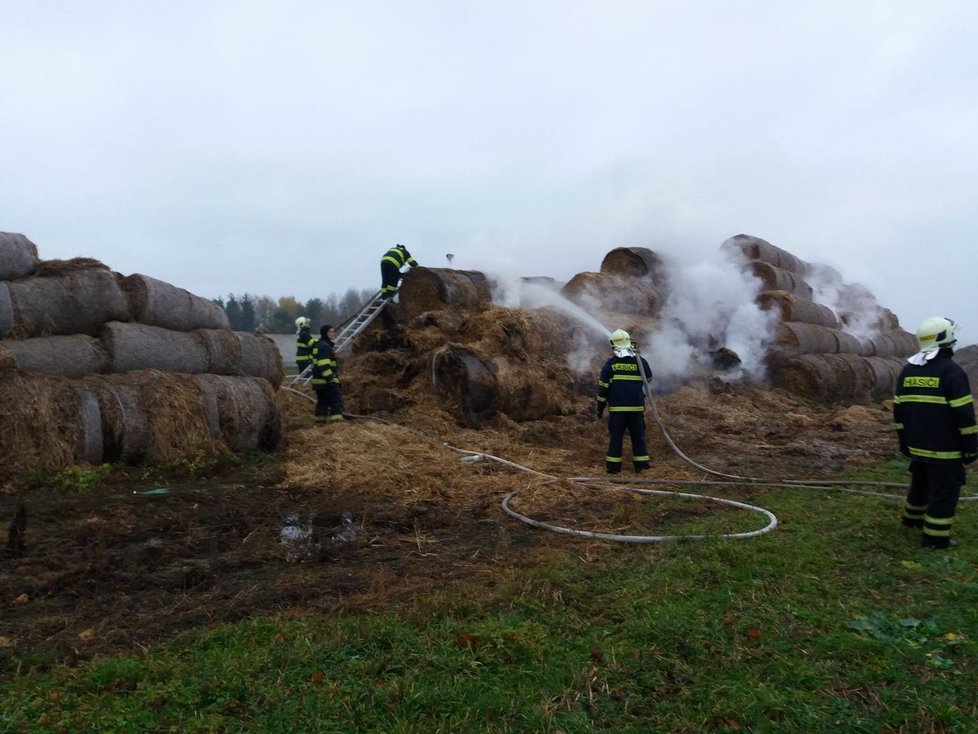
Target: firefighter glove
904,449
599,410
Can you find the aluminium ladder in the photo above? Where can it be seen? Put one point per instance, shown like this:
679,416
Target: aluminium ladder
350,331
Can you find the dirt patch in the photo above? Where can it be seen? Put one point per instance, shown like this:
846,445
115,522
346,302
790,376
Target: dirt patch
364,514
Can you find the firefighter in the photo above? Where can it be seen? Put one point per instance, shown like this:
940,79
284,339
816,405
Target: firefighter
303,344
390,269
621,388
326,379
934,416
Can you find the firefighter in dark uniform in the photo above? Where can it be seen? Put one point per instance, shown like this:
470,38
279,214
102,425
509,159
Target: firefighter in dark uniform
934,415
304,343
326,379
390,269
621,388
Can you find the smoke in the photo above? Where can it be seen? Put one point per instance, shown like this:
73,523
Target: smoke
711,304
857,309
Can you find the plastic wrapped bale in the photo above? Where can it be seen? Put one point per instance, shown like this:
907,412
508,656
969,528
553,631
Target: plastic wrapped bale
465,379
826,377
158,303
774,278
134,347
18,256
260,357
68,356
77,302
795,308
46,424
430,289
243,410
633,262
605,293
754,248
154,417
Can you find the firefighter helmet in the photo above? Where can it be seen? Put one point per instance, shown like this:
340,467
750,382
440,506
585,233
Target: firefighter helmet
935,333
302,321
620,339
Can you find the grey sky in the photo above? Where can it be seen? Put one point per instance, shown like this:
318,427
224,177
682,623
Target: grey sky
280,148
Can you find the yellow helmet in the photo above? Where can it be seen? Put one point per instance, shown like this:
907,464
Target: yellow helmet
935,333
302,321
620,339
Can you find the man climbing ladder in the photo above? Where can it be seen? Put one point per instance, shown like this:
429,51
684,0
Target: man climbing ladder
390,269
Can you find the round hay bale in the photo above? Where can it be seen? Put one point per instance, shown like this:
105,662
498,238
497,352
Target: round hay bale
851,344
754,248
158,303
794,338
223,349
18,256
260,357
247,415
633,262
893,343
886,370
89,448
76,303
525,393
133,346
795,308
125,425
68,356
6,311
45,425
825,377
606,292
154,417
774,278
459,375
430,289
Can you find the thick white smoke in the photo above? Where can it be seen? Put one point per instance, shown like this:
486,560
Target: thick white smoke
711,304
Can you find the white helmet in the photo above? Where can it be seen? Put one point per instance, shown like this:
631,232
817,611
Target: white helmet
302,321
935,333
620,339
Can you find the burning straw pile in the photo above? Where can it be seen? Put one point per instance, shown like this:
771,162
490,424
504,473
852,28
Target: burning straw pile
95,366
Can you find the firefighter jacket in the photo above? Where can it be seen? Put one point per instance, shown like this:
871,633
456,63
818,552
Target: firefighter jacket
324,368
620,385
934,412
303,348
397,256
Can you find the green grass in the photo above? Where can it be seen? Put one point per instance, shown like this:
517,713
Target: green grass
835,622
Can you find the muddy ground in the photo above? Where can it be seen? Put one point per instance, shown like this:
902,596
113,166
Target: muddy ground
146,556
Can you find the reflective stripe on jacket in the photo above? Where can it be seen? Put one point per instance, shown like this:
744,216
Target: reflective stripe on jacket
933,411
397,256
621,386
324,367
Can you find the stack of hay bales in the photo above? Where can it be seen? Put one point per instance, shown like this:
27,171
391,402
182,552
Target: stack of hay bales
95,366
814,354
631,281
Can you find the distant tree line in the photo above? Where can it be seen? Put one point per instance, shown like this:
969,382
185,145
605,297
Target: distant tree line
260,313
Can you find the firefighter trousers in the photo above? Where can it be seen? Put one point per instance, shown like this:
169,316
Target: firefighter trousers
932,499
329,402
390,276
634,423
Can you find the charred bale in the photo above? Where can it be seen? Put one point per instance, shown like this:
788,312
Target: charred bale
459,375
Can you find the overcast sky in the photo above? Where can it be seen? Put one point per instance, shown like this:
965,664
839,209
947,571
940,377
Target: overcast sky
279,148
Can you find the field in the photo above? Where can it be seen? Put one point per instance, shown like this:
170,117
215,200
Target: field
366,579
